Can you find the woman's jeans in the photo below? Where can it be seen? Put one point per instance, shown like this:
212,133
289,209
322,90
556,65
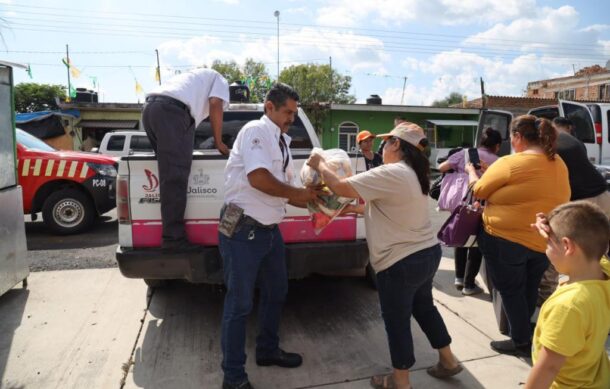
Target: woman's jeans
467,264
253,256
515,271
405,288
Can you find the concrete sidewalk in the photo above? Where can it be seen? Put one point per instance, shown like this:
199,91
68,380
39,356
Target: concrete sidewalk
92,328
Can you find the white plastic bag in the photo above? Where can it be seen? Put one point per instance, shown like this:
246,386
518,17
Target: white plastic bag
332,205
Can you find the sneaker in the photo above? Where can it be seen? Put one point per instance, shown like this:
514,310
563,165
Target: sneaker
459,283
509,347
472,291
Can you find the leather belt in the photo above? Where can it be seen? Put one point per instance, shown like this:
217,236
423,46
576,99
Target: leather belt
247,220
167,100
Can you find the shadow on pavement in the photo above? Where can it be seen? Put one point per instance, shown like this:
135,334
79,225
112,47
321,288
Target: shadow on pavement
103,232
334,322
12,306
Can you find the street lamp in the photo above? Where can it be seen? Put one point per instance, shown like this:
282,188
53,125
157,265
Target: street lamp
277,15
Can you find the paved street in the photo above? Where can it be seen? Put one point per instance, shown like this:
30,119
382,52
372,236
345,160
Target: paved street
94,328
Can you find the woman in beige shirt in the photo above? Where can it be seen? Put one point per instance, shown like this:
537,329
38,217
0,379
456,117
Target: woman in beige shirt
403,248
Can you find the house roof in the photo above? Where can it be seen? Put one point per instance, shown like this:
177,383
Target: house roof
402,108
472,123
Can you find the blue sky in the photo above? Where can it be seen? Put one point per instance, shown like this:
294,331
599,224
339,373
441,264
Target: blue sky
441,46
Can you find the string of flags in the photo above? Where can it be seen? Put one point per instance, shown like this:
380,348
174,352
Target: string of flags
251,82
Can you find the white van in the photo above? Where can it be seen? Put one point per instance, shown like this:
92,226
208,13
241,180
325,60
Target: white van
124,143
591,122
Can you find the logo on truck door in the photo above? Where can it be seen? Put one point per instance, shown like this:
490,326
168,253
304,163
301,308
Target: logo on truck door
200,185
153,181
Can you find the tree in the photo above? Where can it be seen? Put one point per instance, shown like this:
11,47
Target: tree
32,97
318,83
229,70
253,74
453,98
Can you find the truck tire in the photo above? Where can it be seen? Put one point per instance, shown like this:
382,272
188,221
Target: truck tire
68,211
371,277
152,283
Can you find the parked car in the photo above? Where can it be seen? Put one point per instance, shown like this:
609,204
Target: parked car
123,143
591,123
339,247
70,188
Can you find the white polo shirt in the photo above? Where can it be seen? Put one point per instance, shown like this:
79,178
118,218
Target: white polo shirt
257,146
194,88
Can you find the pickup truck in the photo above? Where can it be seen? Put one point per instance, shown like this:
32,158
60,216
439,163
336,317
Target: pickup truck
70,188
339,247
122,143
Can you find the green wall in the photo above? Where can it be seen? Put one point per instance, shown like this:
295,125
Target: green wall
379,122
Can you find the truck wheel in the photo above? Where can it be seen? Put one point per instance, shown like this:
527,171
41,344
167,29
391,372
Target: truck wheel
371,277
68,211
156,283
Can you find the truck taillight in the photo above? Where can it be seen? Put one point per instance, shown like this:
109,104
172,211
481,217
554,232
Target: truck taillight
122,200
598,133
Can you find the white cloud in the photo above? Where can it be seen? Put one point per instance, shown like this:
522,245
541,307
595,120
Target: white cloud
398,12
555,34
348,50
456,71
230,2
596,28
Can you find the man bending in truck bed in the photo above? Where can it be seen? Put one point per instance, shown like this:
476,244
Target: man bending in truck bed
171,114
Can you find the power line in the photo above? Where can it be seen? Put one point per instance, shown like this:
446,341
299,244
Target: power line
120,15
318,43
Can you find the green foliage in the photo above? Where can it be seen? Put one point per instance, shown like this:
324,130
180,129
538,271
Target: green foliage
253,74
229,70
32,97
453,98
316,83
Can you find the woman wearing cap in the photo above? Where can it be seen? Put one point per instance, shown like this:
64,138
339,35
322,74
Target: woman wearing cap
517,186
365,142
403,248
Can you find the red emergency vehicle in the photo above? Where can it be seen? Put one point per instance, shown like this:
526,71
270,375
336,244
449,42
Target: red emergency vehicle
70,188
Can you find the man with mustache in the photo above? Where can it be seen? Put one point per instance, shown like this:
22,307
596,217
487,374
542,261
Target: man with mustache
259,179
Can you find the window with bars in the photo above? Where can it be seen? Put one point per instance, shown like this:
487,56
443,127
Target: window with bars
567,94
347,136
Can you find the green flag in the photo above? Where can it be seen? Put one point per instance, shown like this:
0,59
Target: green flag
72,92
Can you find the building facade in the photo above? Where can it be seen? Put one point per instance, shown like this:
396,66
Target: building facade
590,83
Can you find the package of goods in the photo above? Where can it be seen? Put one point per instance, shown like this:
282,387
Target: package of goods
322,214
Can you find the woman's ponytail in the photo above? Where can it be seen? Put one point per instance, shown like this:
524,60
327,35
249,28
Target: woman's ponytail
548,137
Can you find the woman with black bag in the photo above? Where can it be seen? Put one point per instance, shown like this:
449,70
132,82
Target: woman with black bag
468,260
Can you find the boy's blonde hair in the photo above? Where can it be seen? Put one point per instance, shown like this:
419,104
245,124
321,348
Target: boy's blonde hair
584,223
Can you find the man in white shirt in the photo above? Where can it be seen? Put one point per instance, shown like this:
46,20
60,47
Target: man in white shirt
258,179
171,114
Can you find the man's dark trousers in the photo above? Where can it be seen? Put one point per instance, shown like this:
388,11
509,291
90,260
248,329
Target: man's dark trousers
252,256
171,131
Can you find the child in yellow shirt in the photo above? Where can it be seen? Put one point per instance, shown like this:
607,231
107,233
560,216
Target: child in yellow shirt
568,349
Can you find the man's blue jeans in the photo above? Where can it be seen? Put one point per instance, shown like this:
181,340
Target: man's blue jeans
405,289
515,271
252,254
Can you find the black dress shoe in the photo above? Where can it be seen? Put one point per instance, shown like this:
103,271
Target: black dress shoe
180,247
243,385
281,358
509,347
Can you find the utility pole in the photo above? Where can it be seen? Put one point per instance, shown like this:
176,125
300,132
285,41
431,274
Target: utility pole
404,84
277,15
158,67
69,98
483,102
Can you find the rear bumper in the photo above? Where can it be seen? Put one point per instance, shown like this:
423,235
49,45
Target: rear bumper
302,259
